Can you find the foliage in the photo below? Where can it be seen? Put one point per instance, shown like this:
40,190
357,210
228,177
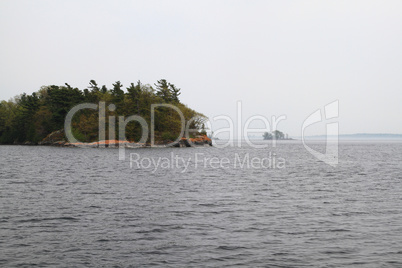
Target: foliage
30,118
278,135
275,135
267,136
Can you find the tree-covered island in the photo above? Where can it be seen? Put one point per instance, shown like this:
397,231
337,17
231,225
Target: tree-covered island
275,135
40,116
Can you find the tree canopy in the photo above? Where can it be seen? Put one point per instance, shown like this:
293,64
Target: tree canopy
274,135
30,118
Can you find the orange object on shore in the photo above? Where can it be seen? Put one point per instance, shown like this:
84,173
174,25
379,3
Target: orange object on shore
200,139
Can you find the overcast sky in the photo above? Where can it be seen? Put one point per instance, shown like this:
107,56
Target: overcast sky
276,57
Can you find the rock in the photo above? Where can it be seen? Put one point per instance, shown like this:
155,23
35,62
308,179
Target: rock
191,142
201,140
59,143
29,143
56,138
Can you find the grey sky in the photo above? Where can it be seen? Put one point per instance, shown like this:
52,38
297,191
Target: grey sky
277,57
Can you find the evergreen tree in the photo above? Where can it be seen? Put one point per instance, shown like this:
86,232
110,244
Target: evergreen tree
175,92
118,96
163,90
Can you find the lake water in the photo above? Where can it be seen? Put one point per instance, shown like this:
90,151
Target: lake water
73,207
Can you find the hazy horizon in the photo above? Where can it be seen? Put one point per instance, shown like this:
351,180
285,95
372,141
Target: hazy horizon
277,58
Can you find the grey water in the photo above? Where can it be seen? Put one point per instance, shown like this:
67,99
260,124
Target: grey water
243,207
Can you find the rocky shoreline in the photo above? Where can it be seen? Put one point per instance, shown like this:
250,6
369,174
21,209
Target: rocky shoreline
57,138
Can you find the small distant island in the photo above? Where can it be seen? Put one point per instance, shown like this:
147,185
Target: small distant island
39,118
275,135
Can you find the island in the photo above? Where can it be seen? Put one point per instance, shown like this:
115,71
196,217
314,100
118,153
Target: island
275,135
39,118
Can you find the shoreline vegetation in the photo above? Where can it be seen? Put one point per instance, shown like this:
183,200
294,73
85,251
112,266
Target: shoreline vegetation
275,135
38,118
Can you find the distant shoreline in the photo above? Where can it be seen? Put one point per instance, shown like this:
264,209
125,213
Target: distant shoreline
358,136
342,137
